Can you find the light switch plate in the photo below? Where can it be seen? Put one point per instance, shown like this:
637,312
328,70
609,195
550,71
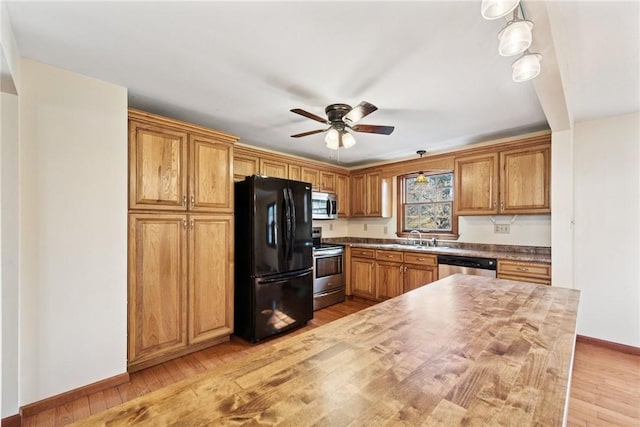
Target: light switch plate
501,228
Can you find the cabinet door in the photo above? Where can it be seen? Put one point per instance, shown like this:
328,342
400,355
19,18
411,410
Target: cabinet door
328,182
157,285
210,184
312,176
476,184
294,172
524,180
373,193
358,199
157,167
416,276
363,277
244,165
388,279
210,277
274,168
342,194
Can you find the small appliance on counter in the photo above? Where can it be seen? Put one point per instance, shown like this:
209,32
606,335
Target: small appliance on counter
328,278
273,256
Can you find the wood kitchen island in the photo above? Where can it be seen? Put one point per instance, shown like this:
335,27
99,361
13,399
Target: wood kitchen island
464,350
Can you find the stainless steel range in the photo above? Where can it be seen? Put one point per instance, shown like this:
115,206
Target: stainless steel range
328,277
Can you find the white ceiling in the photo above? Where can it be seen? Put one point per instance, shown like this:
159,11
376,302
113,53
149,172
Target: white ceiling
432,68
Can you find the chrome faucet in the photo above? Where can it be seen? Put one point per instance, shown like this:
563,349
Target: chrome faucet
419,237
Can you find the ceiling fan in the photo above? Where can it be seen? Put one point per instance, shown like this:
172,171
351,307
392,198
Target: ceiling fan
341,118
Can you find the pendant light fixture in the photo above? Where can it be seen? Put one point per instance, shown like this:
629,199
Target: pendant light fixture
526,67
494,9
516,37
421,178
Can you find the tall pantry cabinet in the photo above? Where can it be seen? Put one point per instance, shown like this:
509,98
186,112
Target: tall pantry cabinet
180,253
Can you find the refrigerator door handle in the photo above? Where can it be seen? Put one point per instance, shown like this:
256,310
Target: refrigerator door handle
287,222
292,207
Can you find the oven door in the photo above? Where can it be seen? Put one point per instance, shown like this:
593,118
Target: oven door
327,270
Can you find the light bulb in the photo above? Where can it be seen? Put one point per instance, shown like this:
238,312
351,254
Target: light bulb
526,67
494,9
421,178
515,38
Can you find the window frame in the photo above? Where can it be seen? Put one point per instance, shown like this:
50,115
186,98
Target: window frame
401,201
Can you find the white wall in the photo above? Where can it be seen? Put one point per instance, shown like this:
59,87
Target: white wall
562,175
9,214
73,202
9,238
606,236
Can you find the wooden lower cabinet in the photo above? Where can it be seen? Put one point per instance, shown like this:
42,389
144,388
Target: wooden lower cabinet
524,271
419,269
180,285
389,279
363,278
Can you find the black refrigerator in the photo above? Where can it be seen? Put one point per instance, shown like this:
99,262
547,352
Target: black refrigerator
273,256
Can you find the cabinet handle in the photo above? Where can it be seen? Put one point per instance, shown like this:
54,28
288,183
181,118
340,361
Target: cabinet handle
522,269
420,259
494,204
389,256
193,200
501,205
401,270
184,200
193,223
184,223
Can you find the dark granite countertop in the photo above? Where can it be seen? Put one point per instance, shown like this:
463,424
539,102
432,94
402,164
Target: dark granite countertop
444,247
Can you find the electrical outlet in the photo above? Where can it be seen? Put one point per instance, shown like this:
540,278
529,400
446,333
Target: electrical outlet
386,230
365,227
501,228
330,227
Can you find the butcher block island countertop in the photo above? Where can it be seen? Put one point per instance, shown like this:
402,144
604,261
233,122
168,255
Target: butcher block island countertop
465,350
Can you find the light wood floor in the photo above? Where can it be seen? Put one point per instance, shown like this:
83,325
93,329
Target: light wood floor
605,385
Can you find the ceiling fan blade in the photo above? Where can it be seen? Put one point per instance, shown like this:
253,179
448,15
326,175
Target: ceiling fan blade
310,115
384,130
359,111
312,132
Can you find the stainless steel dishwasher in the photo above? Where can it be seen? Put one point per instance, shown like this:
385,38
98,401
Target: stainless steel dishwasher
451,264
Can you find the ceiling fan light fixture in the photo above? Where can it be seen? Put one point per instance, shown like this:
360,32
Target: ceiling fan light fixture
526,67
515,38
347,140
494,9
332,139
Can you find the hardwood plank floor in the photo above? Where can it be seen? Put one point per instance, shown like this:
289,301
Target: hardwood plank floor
605,387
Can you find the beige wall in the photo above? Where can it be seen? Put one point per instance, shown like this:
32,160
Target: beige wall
73,233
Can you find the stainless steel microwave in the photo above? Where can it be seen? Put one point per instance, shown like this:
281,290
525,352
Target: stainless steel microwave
324,205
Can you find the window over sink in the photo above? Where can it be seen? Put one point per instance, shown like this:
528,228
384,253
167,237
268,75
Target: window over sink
427,206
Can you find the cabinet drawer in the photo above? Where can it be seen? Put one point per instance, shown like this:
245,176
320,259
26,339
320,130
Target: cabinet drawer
363,253
527,279
525,269
420,258
389,255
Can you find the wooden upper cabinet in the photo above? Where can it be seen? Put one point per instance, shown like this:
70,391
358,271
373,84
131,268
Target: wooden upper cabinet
311,175
524,180
342,194
294,172
157,285
210,277
370,195
511,181
157,167
274,168
328,182
244,165
210,177
476,184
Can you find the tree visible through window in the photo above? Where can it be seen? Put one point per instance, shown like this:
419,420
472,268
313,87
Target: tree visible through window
428,206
